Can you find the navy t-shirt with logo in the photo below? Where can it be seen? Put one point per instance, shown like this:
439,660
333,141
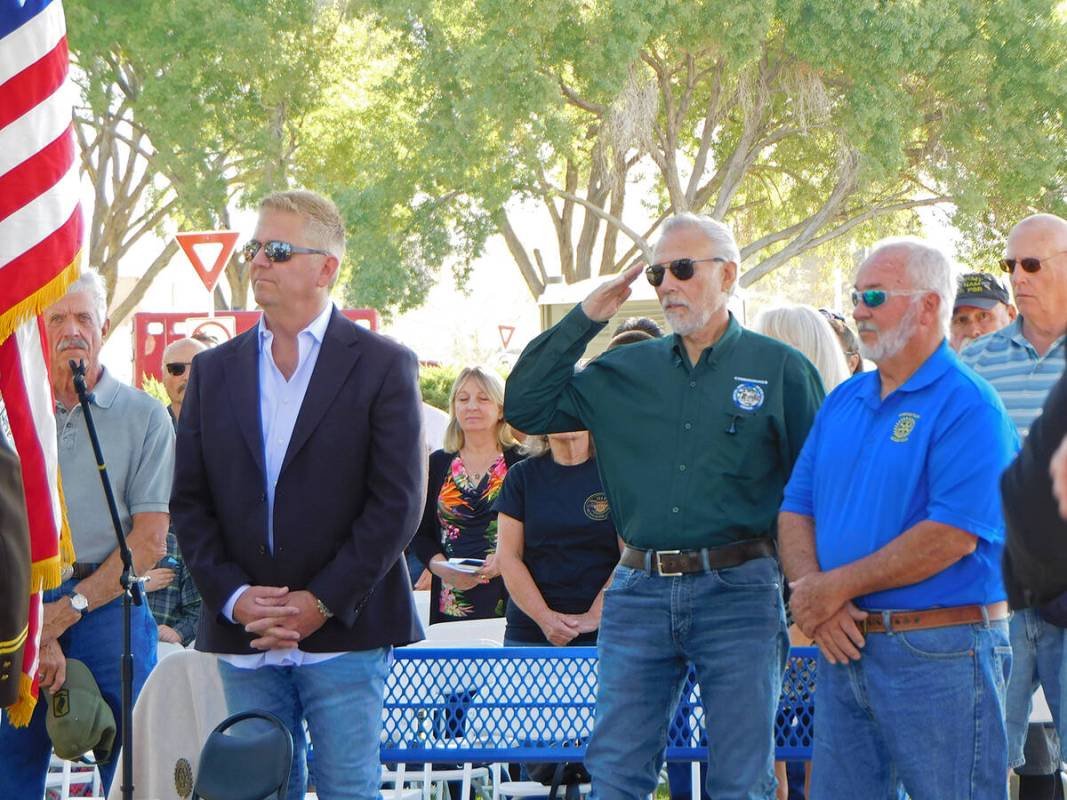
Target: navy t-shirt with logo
570,545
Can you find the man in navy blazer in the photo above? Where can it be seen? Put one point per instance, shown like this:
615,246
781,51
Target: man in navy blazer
299,480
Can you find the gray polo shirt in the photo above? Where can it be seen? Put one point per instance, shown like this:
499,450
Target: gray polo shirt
137,440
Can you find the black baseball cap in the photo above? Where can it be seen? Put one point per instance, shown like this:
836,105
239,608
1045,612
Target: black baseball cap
980,289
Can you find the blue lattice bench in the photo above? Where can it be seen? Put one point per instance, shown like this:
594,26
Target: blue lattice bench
519,705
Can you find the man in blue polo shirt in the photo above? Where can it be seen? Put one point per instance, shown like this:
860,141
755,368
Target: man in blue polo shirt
891,536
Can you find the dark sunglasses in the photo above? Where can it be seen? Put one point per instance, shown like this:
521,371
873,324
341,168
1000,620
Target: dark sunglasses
1028,264
831,314
681,268
872,298
276,251
177,368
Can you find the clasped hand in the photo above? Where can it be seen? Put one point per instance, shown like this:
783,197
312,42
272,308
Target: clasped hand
279,618
822,612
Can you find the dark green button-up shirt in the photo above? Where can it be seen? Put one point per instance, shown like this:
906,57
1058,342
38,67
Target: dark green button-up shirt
690,455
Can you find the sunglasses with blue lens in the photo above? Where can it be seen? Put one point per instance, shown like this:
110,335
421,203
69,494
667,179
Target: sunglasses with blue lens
872,298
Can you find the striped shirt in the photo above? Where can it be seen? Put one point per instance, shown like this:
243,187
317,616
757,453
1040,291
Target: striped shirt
1021,377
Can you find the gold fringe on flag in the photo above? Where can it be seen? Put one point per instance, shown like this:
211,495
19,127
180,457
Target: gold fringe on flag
37,302
20,713
66,541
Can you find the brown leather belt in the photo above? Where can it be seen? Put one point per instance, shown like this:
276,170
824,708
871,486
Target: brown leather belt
933,618
683,562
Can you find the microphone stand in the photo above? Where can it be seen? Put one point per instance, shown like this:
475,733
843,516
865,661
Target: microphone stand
131,592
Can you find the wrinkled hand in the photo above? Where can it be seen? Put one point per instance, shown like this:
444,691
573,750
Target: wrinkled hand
558,628
288,630
58,616
1058,469
605,300
839,638
814,599
424,581
169,635
51,666
158,578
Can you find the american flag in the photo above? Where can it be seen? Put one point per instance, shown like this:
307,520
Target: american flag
40,249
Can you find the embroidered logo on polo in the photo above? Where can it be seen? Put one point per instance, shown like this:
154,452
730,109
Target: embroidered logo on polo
905,424
748,395
596,507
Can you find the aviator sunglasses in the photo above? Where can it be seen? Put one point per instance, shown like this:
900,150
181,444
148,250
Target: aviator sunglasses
276,251
681,268
177,368
1029,264
872,298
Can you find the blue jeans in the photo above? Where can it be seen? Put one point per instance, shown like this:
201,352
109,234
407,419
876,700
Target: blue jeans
921,712
341,699
730,624
96,640
1038,658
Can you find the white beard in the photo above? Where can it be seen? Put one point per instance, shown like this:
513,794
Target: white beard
890,342
685,324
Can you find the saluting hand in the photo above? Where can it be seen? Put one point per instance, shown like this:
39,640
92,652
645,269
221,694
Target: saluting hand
606,299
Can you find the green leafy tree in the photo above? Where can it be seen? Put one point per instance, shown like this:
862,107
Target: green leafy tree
807,124
188,109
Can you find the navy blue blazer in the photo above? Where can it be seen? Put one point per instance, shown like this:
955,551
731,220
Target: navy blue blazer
347,502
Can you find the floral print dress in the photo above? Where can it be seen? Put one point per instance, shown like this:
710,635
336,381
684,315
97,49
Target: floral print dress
468,530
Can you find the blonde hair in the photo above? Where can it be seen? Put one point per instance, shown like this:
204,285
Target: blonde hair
323,224
808,331
494,387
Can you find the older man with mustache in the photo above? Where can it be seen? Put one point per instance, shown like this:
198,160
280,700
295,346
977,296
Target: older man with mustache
83,617
696,434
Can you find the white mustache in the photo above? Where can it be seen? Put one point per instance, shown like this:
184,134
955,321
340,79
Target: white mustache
671,300
71,342
867,327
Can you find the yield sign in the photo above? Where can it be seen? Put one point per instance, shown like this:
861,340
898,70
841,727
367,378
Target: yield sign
505,334
190,241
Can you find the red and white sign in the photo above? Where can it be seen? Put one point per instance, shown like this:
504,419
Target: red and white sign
506,332
191,241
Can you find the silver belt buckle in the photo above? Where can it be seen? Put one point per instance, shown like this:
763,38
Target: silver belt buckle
659,562
66,572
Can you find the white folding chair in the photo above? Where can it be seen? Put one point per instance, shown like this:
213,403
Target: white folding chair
64,774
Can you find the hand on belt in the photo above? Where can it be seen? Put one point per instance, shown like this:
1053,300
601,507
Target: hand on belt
669,563
933,618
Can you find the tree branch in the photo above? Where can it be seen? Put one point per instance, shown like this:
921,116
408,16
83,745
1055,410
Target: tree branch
129,303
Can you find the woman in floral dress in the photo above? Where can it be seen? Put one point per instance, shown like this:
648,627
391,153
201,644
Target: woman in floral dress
464,480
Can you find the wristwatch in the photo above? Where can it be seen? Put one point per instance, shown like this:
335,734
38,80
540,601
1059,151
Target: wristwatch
79,602
321,606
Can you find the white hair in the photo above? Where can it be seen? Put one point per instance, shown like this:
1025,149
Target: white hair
92,282
808,331
717,232
928,268
170,348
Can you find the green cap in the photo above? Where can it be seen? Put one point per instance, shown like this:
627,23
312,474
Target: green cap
78,719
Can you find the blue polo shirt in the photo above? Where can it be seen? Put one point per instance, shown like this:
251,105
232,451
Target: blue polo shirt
934,450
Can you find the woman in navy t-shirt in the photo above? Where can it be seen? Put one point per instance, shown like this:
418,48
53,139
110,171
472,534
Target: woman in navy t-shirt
556,545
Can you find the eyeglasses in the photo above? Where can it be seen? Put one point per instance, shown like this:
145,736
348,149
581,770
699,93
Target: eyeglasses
1029,264
177,368
832,315
276,251
872,298
681,268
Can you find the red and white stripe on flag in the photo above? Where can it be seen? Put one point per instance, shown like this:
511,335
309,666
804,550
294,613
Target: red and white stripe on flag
40,249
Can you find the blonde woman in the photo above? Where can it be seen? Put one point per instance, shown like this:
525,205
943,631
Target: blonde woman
458,521
808,331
